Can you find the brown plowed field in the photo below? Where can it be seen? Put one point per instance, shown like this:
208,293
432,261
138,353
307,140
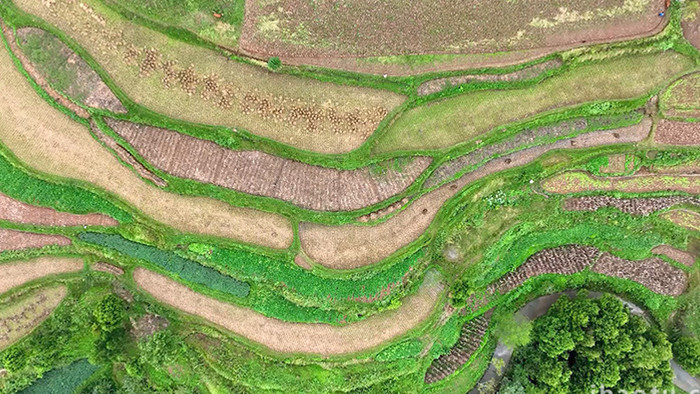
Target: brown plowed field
280,336
48,141
684,218
654,273
668,132
632,206
297,28
18,240
679,255
126,156
578,182
351,245
682,99
616,164
108,268
258,173
19,318
19,212
436,85
18,273
470,339
691,31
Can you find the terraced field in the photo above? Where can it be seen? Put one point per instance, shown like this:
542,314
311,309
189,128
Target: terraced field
267,196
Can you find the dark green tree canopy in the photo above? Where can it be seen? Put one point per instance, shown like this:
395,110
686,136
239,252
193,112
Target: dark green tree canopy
585,342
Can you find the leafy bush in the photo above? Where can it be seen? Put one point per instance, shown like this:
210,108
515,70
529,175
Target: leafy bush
687,352
184,268
274,63
406,349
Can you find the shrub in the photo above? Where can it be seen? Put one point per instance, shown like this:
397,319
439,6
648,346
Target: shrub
687,352
274,63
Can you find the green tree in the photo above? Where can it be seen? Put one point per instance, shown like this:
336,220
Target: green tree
687,352
513,330
110,313
583,342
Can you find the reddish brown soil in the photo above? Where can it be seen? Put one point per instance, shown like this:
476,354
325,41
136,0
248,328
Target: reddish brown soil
670,132
352,245
470,339
632,206
439,84
19,212
300,260
679,255
18,240
296,28
108,268
691,31
126,157
258,173
616,164
654,273
37,77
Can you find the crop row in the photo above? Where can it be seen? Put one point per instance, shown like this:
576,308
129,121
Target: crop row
632,206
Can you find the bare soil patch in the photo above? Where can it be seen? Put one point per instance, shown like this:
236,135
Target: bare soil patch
530,72
259,173
470,339
669,132
19,318
352,246
654,273
19,212
295,28
108,268
200,85
126,157
578,182
18,273
48,141
301,261
616,164
682,99
632,206
147,325
285,337
18,240
676,254
380,213
691,31
684,218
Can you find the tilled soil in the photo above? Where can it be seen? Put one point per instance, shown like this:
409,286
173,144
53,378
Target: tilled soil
682,99
126,156
632,206
670,132
48,141
616,164
19,212
108,268
691,31
18,273
19,319
654,273
439,84
259,173
285,337
679,255
296,28
684,218
578,182
470,339
87,87
18,240
353,245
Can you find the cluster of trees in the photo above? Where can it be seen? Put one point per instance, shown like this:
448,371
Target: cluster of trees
584,343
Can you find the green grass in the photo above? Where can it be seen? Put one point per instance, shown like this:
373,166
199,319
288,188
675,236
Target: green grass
48,54
64,380
22,186
194,16
459,119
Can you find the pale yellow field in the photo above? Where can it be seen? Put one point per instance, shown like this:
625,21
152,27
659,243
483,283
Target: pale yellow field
322,339
18,273
18,319
48,141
